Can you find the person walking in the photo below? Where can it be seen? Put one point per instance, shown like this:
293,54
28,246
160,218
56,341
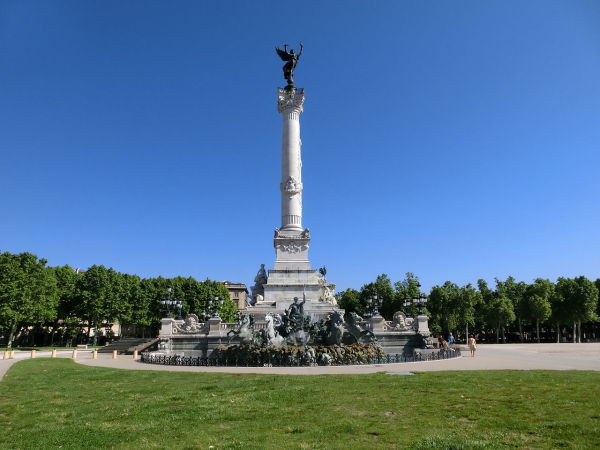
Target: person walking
472,345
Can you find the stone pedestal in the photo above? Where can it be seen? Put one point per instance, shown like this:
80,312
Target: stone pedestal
377,323
166,326
423,325
214,325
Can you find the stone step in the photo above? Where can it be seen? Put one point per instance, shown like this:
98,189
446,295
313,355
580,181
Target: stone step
125,345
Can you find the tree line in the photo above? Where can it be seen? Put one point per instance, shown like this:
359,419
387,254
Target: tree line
43,305
511,310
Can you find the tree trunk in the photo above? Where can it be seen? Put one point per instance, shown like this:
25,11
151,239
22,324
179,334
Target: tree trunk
558,333
503,336
574,332
520,331
95,340
498,334
537,325
11,336
54,328
467,333
579,334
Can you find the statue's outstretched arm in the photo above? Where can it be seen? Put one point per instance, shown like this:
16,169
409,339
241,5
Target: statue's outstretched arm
301,48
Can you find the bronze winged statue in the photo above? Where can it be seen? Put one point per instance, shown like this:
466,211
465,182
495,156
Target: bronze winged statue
291,60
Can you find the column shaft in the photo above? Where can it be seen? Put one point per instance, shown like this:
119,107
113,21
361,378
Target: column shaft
290,108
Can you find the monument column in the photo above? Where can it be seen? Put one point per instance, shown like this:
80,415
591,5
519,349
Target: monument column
290,105
292,275
291,240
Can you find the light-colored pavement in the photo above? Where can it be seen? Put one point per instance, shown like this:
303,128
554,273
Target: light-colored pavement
488,357
20,356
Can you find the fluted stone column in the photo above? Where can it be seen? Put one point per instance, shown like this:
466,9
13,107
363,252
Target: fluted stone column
290,107
292,275
291,240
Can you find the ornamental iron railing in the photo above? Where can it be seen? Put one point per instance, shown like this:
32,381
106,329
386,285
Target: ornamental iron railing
253,360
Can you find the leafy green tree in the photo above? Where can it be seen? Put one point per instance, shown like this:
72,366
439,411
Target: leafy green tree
466,307
137,306
101,297
212,289
153,291
597,284
500,312
443,307
382,288
515,292
349,300
487,296
539,308
28,292
408,288
66,283
579,300
537,302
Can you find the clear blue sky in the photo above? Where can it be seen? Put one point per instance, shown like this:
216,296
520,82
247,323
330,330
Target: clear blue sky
455,140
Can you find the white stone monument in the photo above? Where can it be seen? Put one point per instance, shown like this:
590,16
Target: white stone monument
292,275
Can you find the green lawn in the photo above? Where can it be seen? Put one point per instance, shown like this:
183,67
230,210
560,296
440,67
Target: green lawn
57,403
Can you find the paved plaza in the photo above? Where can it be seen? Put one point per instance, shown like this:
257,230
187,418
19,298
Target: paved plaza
488,357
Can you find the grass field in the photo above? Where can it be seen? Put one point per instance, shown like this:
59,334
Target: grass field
57,403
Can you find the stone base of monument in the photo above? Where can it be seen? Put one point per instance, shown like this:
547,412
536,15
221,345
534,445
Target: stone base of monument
192,339
315,310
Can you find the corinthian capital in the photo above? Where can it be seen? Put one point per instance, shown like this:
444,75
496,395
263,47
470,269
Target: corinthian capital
290,100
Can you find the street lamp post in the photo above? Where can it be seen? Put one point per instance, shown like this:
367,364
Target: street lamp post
215,304
376,304
420,300
373,305
169,303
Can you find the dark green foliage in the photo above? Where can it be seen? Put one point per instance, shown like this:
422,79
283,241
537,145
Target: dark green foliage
28,292
579,297
382,288
63,301
60,302
408,288
349,300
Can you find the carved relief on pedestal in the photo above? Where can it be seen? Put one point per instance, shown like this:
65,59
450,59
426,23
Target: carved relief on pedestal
292,244
190,326
291,186
401,322
291,247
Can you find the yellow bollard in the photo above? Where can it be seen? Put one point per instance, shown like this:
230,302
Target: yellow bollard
12,354
95,354
6,354
114,354
74,354
135,354
53,353
33,354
